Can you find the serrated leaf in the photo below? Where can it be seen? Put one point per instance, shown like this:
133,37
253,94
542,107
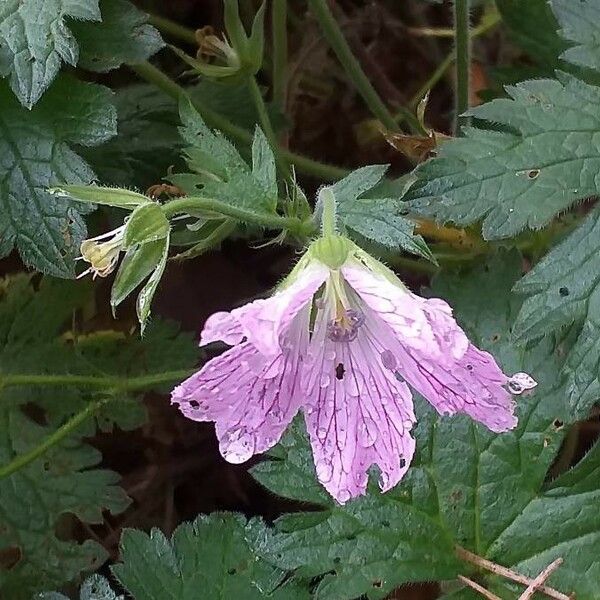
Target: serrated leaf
219,171
65,480
545,160
466,487
210,554
377,219
94,587
35,151
35,39
564,288
580,24
123,36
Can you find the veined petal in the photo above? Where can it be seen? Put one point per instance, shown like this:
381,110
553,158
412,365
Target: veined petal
358,413
414,321
263,322
250,397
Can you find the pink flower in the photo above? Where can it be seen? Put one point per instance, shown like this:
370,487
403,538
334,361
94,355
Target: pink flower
342,339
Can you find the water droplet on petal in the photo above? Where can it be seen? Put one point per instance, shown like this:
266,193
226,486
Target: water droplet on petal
367,433
325,380
321,433
309,410
520,382
324,470
343,496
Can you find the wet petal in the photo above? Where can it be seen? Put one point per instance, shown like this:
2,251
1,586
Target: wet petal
250,397
359,414
264,322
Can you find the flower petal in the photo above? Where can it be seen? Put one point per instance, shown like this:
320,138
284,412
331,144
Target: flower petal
264,322
359,414
423,324
250,397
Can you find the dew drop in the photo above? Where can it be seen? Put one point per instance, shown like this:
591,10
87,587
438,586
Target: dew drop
321,433
520,382
324,470
343,496
367,433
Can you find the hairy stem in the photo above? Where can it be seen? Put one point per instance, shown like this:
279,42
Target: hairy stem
173,29
302,163
123,384
280,52
463,60
334,36
193,204
22,460
265,123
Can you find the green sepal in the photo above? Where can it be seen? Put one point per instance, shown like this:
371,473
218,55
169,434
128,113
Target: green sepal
136,266
146,224
95,194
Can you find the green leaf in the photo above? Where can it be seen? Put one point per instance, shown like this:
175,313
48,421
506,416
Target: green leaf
467,486
219,171
94,587
36,500
377,219
123,36
209,556
36,155
35,39
544,160
564,288
580,24
533,27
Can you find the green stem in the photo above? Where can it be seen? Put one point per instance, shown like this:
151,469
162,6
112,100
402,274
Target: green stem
22,460
118,383
173,29
265,123
303,164
463,60
328,208
334,36
194,204
280,52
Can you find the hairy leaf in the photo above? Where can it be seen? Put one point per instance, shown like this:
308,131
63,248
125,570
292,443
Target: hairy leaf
123,36
220,172
35,39
35,153
467,486
377,219
35,500
580,24
209,556
546,158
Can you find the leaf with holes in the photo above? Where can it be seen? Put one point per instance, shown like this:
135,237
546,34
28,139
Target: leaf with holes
466,487
35,39
220,172
35,530
35,153
211,554
546,158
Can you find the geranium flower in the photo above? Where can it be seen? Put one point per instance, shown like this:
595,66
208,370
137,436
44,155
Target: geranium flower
342,339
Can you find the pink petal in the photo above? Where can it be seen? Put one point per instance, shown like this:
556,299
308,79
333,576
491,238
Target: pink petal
359,414
264,322
250,397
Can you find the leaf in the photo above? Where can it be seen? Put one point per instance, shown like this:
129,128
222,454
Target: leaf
35,151
467,486
219,171
123,36
377,219
210,554
580,24
36,500
35,39
542,162
94,587
564,289
533,27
